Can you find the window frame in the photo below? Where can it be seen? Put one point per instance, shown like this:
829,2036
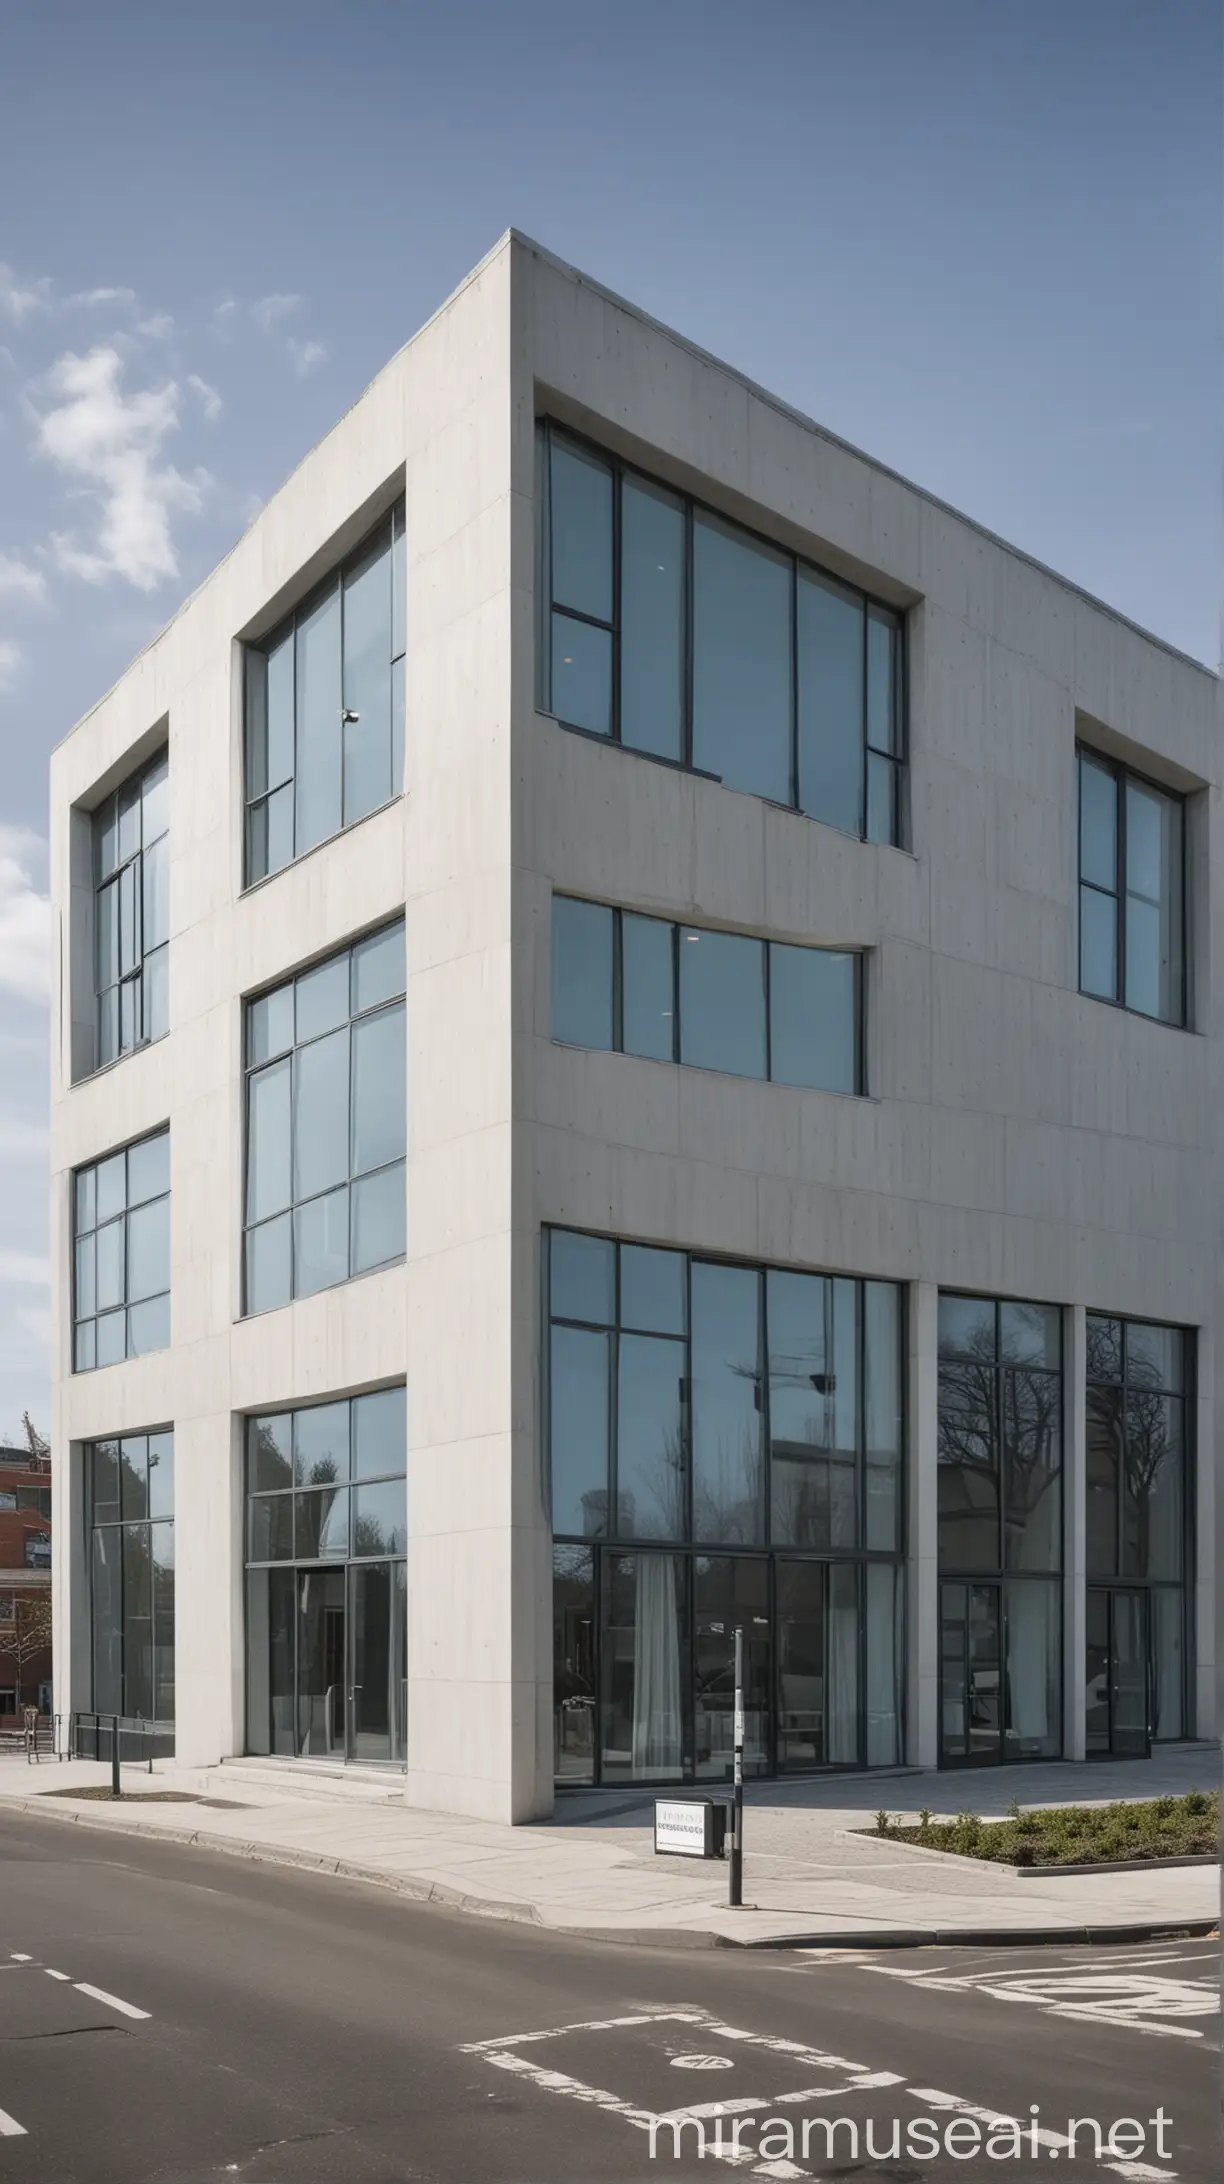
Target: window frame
1000,1369
896,617
350,1484
394,521
79,1234
119,1526
254,1069
102,883
1121,774
677,929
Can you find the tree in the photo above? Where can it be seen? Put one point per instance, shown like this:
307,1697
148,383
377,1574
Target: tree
28,1635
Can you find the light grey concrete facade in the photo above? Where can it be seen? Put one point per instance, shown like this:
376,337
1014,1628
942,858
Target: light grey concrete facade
1019,1138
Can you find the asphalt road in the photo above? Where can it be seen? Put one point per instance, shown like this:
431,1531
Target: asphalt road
215,2018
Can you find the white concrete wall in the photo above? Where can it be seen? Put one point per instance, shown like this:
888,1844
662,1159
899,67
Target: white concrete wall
1018,1138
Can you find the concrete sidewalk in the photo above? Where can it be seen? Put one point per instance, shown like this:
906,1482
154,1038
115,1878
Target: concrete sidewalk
809,1879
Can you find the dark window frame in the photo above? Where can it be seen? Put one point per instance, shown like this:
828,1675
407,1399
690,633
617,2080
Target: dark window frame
1121,774
253,1069
120,1525
677,929
102,883
349,1484
1000,1369
394,522
79,1234
896,618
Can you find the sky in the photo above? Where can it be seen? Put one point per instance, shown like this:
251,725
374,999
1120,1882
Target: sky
981,241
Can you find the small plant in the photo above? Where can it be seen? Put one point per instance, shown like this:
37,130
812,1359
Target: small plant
924,1824
883,1823
1196,1802
1133,1831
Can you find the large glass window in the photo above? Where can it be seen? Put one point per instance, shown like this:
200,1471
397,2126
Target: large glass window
131,859
1000,1511
719,1412
1131,890
751,1008
326,1538
1139,1491
326,1056
121,1254
129,1502
672,631
325,707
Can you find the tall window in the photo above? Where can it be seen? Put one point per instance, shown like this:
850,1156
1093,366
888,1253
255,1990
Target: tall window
670,630
1139,1490
121,1272
326,1116
1000,1527
325,707
684,993
1131,890
326,1537
131,854
725,1445
129,1488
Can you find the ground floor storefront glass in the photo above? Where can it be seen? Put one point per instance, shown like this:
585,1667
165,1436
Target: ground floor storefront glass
725,1449
129,1489
326,1581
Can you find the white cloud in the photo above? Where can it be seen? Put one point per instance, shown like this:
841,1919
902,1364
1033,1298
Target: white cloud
210,400
157,328
91,298
111,442
25,917
19,301
25,1268
270,310
10,661
306,355
19,580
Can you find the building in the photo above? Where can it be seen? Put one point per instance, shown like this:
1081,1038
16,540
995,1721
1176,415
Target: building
25,1582
618,915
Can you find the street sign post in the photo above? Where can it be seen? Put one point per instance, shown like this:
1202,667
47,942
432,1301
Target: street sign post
735,1895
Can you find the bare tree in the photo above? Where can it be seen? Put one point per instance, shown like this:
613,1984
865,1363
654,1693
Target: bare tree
28,1635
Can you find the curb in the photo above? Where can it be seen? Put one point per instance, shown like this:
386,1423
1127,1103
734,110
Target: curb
647,1937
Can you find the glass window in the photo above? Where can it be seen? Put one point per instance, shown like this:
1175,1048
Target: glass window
652,619
582,973
813,1410
132,913
1139,1477
327,1123
728,1467
121,1285
644,1717
579,1414
1032,1614
813,1018
1000,1435
324,732
679,633
574,1689
722,1002
614,976
583,1277
654,1289
129,1500
651,1456
742,696
300,1504
1132,890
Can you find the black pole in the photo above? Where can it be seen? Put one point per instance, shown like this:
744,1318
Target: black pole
736,1890
115,1792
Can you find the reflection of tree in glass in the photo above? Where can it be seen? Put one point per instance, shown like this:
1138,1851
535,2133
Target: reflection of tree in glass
272,1467
992,1412
1140,1431
728,1479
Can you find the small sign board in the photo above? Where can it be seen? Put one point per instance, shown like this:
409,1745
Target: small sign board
690,1827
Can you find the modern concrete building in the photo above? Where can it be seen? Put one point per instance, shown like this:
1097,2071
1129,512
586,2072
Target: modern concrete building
615,914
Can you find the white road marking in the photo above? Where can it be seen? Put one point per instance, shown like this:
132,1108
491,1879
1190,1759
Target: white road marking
702,2062
112,2001
9,2126
57,1975
1142,1998
17,1957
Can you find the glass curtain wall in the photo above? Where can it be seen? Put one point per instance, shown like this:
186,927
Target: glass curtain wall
1000,1529
1132,914
725,1447
727,1001
121,1255
326,1539
129,1520
1139,1530
677,633
131,854
325,707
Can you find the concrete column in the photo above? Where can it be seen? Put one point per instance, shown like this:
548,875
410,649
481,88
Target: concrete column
1075,1504
1208,1543
922,1697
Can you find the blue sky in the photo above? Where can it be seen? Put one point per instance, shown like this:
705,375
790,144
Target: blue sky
980,241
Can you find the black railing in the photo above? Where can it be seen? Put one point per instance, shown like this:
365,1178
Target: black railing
120,1738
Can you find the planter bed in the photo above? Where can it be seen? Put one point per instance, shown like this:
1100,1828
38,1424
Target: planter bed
1118,1838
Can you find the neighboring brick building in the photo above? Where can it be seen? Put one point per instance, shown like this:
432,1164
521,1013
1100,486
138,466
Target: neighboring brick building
25,1581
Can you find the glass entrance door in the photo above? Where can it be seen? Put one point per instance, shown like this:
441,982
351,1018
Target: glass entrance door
971,1676
377,1693
321,1664
327,1649
1118,1714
